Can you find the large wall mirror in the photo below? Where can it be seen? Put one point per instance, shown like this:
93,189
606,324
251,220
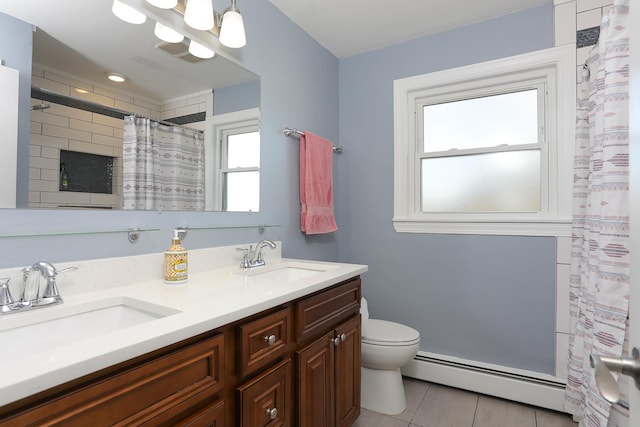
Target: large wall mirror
83,125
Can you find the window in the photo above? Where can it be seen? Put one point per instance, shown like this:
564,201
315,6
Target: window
486,149
234,166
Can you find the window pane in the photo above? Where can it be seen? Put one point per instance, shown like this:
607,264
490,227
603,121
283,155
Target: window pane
489,121
243,150
493,182
241,191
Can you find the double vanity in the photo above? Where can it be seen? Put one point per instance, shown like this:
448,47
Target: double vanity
273,345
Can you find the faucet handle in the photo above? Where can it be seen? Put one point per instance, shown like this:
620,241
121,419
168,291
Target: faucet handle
5,292
245,257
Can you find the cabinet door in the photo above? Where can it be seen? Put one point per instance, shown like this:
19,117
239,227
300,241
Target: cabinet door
211,416
316,376
348,372
267,400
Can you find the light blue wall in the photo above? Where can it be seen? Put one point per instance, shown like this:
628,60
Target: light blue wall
236,98
299,87
486,298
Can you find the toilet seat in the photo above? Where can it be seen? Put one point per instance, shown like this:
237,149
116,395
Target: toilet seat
383,332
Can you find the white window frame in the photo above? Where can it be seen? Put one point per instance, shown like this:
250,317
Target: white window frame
221,125
554,67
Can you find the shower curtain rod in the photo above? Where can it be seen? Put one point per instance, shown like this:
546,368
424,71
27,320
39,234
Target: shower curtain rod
296,132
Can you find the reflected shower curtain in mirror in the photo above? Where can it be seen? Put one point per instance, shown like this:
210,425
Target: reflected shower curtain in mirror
599,282
163,166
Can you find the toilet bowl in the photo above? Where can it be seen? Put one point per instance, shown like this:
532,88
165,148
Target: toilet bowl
386,346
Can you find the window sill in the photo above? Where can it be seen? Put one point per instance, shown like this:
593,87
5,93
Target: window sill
515,228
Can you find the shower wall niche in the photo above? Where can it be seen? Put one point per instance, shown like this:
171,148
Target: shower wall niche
86,173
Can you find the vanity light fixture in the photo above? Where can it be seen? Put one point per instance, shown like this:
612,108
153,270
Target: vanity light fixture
127,13
198,14
116,77
163,4
200,51
232,29
167,34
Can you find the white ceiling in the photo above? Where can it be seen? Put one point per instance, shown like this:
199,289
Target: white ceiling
82,38
349,27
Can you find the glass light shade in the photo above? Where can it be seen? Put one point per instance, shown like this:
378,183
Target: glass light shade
199,14
167,34
117,77
127,13
196,49
163,4
232,30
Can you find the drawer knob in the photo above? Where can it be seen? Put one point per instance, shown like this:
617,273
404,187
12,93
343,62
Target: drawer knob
270,340
336,341
272,413
343,337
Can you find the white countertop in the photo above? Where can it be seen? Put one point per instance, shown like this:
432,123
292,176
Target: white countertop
209,300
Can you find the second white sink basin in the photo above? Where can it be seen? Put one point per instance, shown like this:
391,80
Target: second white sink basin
288,271
47,328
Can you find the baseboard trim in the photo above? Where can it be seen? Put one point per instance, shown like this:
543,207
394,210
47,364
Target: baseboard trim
540,390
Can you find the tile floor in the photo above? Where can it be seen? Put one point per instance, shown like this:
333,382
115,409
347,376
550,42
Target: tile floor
434,405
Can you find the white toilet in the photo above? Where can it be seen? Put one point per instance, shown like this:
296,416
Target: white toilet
386,346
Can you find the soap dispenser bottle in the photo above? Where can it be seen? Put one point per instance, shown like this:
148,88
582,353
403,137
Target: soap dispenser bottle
175,261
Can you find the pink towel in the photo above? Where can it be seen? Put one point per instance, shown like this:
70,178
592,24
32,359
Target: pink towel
316,185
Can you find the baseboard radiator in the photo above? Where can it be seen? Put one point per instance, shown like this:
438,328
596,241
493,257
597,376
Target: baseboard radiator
527,387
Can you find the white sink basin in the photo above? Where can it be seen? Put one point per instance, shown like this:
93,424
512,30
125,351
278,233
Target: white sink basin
51,327
288,271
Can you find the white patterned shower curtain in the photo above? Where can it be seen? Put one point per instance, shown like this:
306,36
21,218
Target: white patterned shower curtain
163,166
599,284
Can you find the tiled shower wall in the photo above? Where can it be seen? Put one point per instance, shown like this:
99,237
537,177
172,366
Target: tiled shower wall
66,128
576,21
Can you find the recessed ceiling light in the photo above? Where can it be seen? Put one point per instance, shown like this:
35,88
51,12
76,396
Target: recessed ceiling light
116,77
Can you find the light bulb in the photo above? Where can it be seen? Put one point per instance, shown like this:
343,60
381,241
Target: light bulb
163,4
232,30
199,14
127,13
196,49
167,34
117,77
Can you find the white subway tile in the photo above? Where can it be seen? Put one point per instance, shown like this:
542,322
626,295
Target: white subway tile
592,4
582,54
34,173
151,105
563,250
105,199
34,197
50,119
50,141
40,185
49,175
69,81
184,111
132,108
174,105
90,127
50,153
565,24
96,98
563,272
562,355
35,127
65,197
588,19
83,147
50,86
42,163
69,112
35,150
50,130
112,94
108,121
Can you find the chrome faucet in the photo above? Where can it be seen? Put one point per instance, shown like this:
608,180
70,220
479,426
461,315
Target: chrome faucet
31,298
253,258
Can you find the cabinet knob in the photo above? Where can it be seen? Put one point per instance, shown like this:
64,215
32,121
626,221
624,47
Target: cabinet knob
343,337
272,413
270,340
336,341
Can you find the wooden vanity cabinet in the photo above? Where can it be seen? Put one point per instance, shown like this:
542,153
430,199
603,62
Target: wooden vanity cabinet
328,367
165,388
297,364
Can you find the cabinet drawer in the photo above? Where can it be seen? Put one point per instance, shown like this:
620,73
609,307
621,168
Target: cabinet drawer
321,312
159,388
268,399
263,340
211,416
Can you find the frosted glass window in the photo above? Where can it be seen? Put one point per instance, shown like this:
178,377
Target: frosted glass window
241,191
490,121
243,150
492,182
